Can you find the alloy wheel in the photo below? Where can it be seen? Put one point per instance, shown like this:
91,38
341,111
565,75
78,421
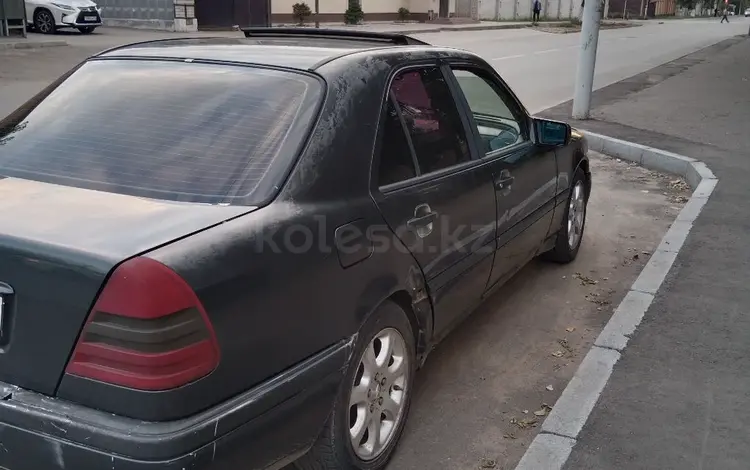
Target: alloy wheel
44,22
378,394
576,214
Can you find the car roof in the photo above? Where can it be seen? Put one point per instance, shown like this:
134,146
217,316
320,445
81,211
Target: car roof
297,48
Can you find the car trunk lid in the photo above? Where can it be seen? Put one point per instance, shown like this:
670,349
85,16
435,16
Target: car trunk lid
57,246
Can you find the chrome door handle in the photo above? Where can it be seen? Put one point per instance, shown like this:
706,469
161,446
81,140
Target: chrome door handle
423,220
504,183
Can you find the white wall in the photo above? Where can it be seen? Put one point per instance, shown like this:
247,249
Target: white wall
382,6
423,6
368,6
521,9
326,6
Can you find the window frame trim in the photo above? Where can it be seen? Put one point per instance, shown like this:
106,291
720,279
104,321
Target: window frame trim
474,155
526,127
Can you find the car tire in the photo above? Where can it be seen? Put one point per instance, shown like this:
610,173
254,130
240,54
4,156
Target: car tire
570,235
44,22
335,448
87,29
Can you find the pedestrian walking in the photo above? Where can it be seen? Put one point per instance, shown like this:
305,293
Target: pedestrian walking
724,12
537,11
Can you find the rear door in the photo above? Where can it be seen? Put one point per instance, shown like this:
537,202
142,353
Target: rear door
434,192
524,175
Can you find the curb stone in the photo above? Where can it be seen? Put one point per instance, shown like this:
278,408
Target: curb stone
482,27
26,44
551,448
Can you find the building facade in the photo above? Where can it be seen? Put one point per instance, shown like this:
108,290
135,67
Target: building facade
191,15
522,9
172,15
374,10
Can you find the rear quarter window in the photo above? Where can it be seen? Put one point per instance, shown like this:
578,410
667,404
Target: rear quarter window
188,132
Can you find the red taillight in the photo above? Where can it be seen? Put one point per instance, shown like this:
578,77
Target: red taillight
147,331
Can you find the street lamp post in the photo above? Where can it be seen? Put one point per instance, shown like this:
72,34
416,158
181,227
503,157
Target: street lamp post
317,11
587,59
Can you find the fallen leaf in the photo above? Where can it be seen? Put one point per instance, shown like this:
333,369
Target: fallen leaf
594,299
509,435
488,463
526,423
525,412
550,388
585,280
570,329
558,354
564,344
541,412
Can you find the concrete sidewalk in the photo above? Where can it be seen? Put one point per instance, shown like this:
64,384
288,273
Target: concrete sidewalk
30,42
421,28
678,396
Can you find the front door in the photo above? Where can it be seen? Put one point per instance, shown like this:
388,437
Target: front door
444,8
224,14
434,193
524,175
214,14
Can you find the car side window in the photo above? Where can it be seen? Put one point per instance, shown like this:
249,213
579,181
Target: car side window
396,161
432,119
500,122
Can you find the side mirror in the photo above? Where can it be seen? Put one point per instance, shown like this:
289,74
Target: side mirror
552,133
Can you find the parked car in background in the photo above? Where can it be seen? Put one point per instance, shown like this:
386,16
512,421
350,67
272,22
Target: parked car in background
239,254
46,16
747,12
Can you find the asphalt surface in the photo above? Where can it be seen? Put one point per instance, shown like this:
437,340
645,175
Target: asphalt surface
678,397
540,67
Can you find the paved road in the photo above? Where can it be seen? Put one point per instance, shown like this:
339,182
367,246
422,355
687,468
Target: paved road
678,397
541,67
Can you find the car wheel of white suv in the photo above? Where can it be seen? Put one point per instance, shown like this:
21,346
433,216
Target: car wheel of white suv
44,22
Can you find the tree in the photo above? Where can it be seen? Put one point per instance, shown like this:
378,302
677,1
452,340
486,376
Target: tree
687,4
301,11
354,14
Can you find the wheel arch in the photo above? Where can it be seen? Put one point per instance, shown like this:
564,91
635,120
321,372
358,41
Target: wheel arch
404,300
418,310
39,9
582,162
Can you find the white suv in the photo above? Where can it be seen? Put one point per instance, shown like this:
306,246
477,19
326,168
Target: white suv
47,16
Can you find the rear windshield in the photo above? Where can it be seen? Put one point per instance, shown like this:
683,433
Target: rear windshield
177,131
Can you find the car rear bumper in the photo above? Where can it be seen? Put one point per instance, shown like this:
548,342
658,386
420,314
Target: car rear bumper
266,427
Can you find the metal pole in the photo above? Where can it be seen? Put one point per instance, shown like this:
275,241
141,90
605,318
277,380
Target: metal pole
592,11
317,10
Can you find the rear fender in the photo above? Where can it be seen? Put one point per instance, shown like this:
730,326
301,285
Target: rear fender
407,288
